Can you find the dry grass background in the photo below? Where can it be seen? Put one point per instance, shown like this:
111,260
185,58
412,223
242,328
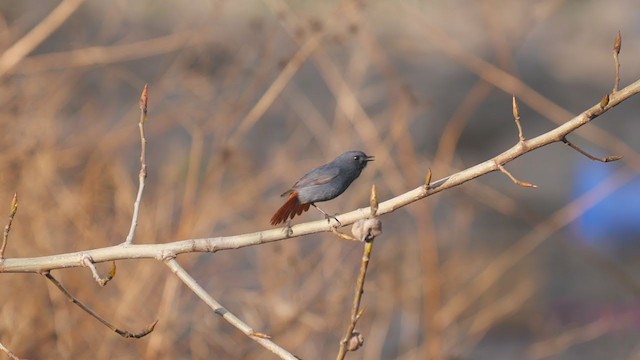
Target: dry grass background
247,96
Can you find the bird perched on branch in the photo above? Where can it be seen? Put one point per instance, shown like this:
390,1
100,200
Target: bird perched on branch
323,183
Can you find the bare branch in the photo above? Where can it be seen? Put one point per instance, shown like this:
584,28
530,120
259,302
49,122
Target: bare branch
217,308
159,251
616,60
123,333
7,228
513,178
578,149
144,101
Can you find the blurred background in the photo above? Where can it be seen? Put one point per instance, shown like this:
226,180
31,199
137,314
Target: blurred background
245,97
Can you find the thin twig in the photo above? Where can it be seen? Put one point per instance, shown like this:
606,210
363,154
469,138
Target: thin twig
513,178
516,117
123,333
217,308
355,309
11,355
7,228
144,101
578,149
616,60
86,260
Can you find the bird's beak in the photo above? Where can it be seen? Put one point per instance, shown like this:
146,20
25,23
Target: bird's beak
370,158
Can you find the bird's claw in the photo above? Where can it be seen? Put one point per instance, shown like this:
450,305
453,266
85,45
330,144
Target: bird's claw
337,224
287,228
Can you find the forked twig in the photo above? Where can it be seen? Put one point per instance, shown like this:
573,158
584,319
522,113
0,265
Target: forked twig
144,101
123,333
7,228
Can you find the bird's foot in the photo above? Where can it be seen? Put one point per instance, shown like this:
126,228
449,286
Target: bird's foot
287,228
329,217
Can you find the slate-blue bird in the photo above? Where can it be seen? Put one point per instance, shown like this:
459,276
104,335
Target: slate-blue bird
323,183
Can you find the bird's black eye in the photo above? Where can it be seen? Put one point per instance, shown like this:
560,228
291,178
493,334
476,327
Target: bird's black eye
356,158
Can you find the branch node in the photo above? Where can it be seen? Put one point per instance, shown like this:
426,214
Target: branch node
367,229
513,178
87,261
604,102
583,152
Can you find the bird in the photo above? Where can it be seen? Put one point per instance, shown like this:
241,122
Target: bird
323,183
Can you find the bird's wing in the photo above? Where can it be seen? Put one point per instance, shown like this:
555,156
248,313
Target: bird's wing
319,176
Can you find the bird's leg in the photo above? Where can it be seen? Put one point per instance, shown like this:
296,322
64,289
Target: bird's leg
287,228
327,216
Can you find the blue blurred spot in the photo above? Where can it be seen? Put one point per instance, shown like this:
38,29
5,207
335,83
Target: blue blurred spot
614,222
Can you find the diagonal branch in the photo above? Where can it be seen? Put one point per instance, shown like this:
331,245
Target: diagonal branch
88,310
11,355
513,178
217,308
164,250
583,152
21,48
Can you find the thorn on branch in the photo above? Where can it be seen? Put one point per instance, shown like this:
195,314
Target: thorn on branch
516,117
85,308
578,149
616,60
427,179
513,178
7,228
